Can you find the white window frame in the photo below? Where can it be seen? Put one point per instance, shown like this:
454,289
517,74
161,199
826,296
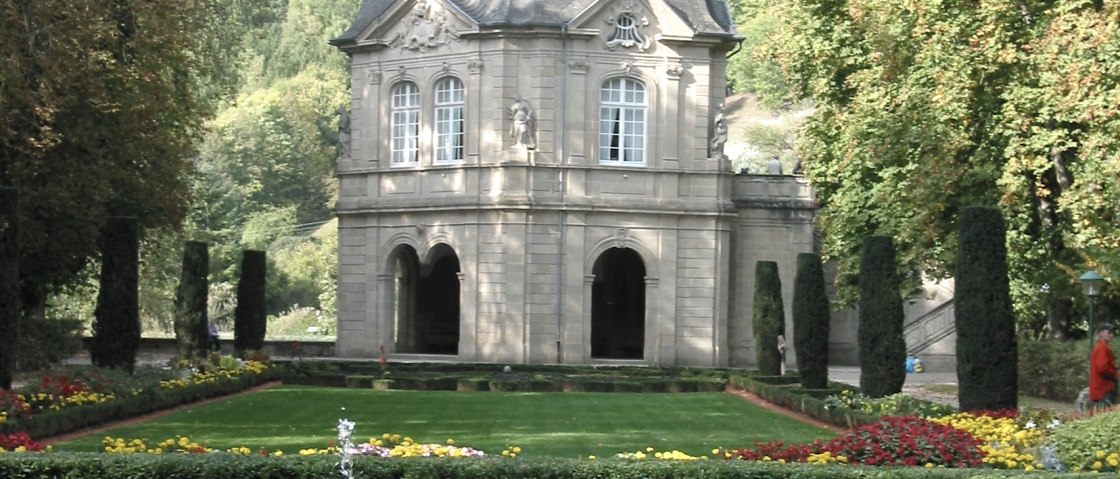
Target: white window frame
623,125
404,100
450,124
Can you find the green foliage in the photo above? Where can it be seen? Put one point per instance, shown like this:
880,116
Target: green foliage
882,347
1077,442
116,330
250,316
769,317
190,302
9,284
1053,369
754,69
922,109
100,108
48,341
987,358
811,319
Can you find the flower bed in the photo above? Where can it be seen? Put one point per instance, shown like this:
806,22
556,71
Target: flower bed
68,400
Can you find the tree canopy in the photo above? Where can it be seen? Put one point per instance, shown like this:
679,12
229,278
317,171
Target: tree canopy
101,103
925,107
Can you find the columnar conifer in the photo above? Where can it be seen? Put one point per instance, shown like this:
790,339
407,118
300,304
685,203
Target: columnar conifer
250,315
9,284
882,347
769,317
987,356
191,301
116,327
811,318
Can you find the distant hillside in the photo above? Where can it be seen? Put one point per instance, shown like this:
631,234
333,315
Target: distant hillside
756,134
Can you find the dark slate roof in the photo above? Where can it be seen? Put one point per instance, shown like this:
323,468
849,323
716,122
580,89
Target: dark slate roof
704,16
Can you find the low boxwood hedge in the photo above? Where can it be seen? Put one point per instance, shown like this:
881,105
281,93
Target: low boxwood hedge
778,390
226,466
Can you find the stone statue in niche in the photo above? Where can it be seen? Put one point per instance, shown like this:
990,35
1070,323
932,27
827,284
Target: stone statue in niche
521,129
425,27
344,131
719,134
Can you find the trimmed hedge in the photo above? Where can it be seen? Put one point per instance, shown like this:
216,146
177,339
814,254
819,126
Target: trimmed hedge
9,284
768,320
812,316
116,326
778,390
486,377
226,466
882,346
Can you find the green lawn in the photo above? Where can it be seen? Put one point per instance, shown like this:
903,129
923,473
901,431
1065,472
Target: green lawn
571,425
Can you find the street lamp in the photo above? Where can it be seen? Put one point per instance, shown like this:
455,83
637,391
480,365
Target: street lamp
1091,284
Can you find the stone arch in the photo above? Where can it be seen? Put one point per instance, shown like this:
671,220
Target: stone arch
618,305
403,273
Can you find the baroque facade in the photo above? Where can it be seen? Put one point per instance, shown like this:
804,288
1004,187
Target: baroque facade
543,181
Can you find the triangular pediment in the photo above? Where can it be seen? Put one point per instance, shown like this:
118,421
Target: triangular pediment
418,25
632,23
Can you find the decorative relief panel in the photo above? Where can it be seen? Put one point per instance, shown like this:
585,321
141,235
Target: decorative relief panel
425,27
630,24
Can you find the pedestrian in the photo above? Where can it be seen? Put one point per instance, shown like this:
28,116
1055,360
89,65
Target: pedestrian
215,345
1102,369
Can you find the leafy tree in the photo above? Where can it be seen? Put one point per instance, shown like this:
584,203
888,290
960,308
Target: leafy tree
250,318
882,346
987,357
769,317
190,302
753,69
9,284
100,106
921,110
811,321
116,330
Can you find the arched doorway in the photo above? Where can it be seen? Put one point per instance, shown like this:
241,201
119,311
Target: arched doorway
618,305
425,302
438,307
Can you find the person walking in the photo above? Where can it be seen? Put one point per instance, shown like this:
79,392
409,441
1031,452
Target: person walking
1102,369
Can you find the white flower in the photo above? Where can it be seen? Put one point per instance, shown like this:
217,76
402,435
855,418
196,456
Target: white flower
1029,425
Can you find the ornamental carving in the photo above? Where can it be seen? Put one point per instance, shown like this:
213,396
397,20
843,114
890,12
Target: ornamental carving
425,27
629,25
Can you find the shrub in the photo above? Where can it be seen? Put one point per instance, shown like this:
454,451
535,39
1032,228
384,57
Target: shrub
116,326
1077,443
9,284
907,441
769,317
811,317
250,314
47,342
1052,369
882,347
987,360
190,301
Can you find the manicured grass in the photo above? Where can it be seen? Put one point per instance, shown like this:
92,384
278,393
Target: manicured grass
572,425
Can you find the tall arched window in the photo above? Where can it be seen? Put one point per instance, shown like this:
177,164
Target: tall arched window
449,120
622,122
405,101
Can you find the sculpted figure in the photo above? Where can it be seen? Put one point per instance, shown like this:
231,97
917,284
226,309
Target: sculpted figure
719,135
522,127
344,131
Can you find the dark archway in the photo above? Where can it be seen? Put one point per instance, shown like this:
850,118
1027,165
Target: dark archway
439,302
618,305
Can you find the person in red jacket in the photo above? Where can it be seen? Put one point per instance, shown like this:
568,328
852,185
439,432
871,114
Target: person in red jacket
1102,369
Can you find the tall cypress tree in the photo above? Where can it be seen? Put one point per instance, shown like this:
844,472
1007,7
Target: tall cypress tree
987,353
811,321
882,346
769,317
190,301
116,327
250,314
9,284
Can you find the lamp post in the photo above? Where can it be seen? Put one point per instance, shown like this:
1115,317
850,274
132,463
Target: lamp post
1091,285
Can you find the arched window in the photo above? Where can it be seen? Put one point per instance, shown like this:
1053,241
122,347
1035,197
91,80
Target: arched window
405,101
449,120
622,122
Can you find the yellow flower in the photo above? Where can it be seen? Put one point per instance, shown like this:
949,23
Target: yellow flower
591,457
